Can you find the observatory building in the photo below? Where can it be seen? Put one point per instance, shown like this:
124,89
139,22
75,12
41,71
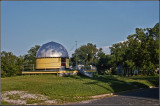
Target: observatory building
52,56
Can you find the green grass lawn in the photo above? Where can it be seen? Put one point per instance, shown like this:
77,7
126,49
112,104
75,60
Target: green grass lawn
74,88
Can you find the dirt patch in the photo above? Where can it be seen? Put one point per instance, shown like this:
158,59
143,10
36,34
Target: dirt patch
25,98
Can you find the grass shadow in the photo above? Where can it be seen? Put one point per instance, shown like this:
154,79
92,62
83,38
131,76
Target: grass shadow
153,80
116,84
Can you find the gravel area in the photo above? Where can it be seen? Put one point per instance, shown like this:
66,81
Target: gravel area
23,97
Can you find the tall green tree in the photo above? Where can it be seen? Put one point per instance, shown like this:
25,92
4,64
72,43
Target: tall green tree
30,58
140,51
102,61
10,64
86,55
90,55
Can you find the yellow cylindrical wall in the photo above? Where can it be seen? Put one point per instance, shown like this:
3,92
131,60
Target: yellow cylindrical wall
67,63
48,63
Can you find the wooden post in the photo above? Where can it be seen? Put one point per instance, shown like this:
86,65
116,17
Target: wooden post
33,67
57,73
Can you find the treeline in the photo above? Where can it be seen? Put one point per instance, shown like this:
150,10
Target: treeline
139,52
90,55
12,65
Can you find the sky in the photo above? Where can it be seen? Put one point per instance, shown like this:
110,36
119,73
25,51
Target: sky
25,24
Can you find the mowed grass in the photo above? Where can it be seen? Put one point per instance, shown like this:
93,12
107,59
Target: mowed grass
74,88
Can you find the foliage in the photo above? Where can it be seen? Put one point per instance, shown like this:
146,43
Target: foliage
140,51
90,55
30,58
10,64
85,54
102,61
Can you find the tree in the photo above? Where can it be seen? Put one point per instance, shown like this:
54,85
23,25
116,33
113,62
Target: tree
140,51
30,58
102,61
10,64
90,55
86,55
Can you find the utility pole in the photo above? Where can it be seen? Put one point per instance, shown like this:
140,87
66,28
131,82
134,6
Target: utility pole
76,55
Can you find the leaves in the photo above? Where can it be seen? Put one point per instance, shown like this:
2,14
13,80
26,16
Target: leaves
30,58
10,64
140,50
90,55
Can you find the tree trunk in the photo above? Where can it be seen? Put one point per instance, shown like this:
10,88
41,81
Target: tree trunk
128,71
124,74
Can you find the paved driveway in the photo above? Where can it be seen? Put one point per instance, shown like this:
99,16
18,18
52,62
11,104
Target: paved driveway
145,96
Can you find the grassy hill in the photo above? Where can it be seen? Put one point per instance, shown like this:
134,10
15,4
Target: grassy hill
73,88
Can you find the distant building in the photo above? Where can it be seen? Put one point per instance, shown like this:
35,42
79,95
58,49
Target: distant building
52,56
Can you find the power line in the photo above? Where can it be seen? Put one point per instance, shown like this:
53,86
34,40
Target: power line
72,48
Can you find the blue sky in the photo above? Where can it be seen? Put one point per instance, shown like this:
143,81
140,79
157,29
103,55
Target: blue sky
25,24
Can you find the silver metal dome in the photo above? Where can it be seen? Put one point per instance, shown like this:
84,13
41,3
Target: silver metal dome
52,49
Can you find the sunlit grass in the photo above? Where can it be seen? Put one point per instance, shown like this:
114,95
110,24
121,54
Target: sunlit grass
74,88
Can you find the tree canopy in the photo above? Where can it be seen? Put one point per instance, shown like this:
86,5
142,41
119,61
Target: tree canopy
10,64
140,51
90,55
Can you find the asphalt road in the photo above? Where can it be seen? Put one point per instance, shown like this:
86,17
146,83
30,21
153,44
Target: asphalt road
148,96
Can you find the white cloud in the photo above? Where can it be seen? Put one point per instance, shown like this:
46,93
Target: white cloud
122,41
105,49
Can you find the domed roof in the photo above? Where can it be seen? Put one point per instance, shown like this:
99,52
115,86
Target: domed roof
51,49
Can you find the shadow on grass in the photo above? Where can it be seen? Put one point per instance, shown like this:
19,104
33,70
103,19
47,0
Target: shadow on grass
118,85
153,80
97,83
